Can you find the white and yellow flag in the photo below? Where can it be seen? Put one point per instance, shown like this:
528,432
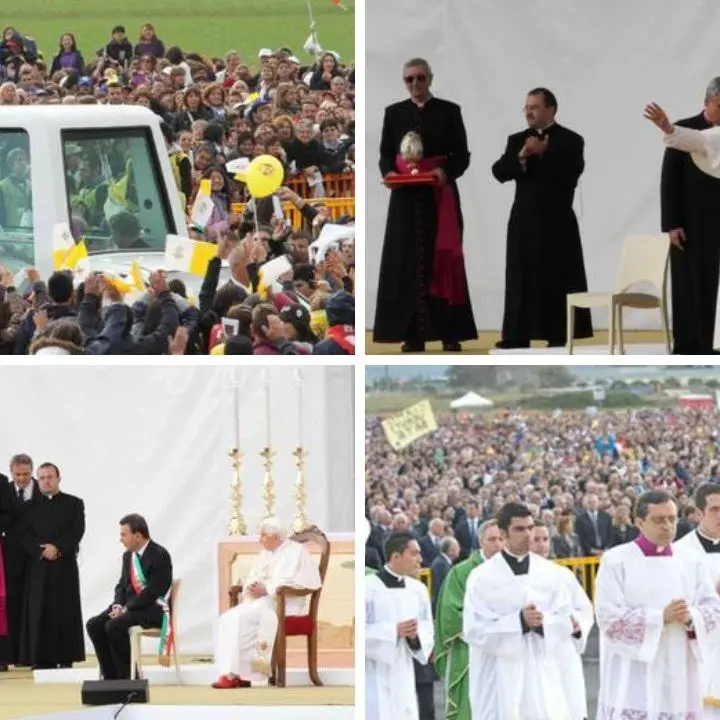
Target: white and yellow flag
203,207
187,255
410,424
62,243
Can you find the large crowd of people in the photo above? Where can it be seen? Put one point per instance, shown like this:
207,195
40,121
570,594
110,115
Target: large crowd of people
583,485
213,111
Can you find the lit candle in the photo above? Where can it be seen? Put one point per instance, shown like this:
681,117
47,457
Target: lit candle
298,380
266,374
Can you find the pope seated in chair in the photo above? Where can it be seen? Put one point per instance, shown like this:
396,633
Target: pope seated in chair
246,633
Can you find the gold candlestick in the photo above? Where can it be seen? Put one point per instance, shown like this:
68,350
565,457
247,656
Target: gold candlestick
236,526
301,521
268,483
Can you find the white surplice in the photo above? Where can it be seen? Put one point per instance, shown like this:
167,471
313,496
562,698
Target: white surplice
389,673
516,675
569,652
650,670
710,667
246,633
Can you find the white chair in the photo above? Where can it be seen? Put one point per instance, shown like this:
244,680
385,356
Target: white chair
137,633
644,260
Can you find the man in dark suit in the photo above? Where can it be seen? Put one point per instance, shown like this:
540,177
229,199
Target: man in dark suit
430,543
594,528
17,500
380,529
449,551
140,597
422,293
544,252
466,530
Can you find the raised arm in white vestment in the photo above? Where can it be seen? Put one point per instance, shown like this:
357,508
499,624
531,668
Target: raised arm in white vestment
381,637
705,142
630,631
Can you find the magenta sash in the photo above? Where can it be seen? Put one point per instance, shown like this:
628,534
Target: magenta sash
3,595
448,281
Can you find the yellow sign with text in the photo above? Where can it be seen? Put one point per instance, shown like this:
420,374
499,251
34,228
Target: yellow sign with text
407,426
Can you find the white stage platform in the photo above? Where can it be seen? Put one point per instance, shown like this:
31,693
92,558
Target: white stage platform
207,712
203,675
630,349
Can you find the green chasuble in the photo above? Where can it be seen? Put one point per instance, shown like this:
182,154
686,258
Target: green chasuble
370,571
451,651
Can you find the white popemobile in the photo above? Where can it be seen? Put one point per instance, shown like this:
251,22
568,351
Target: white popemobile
81,166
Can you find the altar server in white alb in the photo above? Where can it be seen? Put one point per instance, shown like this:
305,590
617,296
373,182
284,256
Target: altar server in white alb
659,618
705,543
398,629
246,633
569,653
516,619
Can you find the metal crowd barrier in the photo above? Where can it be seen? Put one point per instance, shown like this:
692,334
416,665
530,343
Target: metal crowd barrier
585,568
337,206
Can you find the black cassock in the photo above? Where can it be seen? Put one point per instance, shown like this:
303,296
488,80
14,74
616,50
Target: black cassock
690,200
405,309
544,259
52,632
13,513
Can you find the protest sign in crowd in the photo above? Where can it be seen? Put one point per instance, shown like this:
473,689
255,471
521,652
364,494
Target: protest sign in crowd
279,277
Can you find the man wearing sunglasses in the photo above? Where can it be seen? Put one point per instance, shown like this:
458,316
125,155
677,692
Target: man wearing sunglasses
422,292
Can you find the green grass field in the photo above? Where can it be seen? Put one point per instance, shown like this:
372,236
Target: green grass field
204,26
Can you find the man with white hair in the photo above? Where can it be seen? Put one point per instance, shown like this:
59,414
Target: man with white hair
246,633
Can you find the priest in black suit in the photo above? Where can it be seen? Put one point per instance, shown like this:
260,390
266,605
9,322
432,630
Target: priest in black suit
544,252
690,199
423,295
133,604
52,629
17,501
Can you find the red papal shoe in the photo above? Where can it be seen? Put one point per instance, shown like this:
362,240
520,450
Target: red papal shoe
225,682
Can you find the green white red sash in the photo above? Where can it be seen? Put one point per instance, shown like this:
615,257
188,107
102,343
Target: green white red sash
167,639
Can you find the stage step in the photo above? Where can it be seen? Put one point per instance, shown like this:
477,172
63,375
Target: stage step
203,675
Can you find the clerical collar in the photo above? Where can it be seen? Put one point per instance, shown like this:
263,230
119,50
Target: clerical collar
714,541
390,579
650,549
517,565
519,558
422,104
393,573
708,544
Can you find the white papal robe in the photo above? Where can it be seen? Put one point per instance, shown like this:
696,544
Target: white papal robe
515,675
704,148
569,652
389,673
246,633
710,667
650,670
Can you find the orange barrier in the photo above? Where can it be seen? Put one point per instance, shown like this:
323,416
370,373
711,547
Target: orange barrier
341,185
337,206
585,568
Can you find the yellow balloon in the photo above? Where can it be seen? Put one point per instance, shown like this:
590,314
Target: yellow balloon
264,176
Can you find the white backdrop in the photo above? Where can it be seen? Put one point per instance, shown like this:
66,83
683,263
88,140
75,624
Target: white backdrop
155,440
603,60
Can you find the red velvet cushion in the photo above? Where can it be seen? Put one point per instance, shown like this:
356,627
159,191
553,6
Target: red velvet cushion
299,625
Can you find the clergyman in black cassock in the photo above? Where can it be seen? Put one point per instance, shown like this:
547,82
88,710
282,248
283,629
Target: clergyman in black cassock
407,311
52,627
544,257
16,505
109,631
690,199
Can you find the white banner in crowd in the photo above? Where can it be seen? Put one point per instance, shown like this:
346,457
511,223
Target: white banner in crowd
604,61
155,440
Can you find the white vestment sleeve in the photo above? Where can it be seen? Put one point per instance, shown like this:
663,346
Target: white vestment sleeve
491,632
705,611
705,142
633,632
380,637
582,610
557,626
426,630
296,568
